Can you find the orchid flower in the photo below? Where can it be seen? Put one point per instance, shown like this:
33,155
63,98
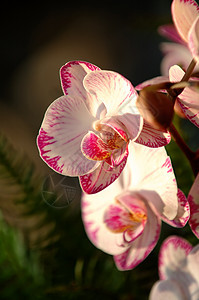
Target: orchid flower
193,199
184,34
86,131
124,220
178,271
188,100
185,14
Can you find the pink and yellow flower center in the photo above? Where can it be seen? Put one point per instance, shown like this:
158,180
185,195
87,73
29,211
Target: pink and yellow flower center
104,144
127,219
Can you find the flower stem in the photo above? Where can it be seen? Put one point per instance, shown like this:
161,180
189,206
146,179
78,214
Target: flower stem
189,70
193,157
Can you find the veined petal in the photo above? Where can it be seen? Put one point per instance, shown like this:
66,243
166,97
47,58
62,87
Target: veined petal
193,39
166,289
119,220
154,172
66,122
149,82
134,204
102,176
193,199
183,213
94,148
141,247
152,137
110,88
172,258
184,13
72,75
93,209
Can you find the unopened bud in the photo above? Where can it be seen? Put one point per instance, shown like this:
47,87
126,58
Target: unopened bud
156,108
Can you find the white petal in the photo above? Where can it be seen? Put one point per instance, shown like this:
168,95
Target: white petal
72,75
173,259
66,122
188,99
141,247
193,39
193,263
112,89
193,199
102,176
152,171
93,209
184,13
166,289
174,54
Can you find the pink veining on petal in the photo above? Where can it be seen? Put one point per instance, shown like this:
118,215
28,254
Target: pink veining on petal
43,140
66,75
194,218
101,177
184,12
183,213
168,165
94,147
92,233
121,259
153,138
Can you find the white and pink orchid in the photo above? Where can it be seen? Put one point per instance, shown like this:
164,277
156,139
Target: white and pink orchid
184,34
178,271
124,220
185,14
86,131
193,199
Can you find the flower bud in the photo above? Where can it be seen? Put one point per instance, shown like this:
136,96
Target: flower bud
156,108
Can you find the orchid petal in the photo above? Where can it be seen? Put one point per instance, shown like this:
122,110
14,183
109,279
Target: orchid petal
134,204
172,258
183,213
141,247
174,54
159,171
188,99
184,13
152,137
166,289
169,31
193,39
149,82
94,148
66,122
178,262
72,75
112,89
102,176
193,199
193,263
93,208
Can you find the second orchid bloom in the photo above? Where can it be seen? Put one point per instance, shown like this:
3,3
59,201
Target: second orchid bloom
124,220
